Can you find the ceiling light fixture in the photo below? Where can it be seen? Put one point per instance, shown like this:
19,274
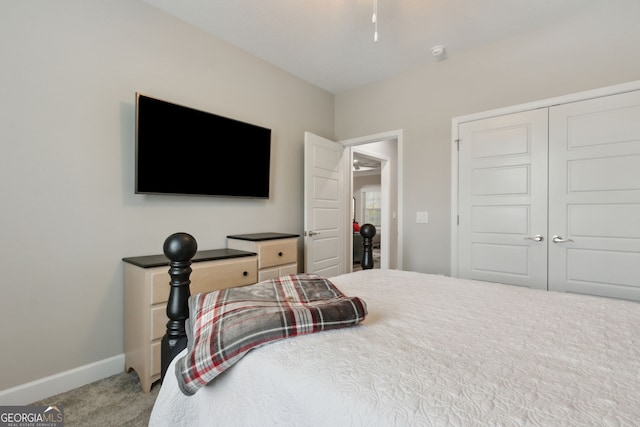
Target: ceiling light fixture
374,20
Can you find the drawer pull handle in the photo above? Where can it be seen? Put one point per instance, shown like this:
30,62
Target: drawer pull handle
279,253
245,273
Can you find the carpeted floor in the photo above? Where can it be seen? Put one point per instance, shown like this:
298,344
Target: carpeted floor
114,401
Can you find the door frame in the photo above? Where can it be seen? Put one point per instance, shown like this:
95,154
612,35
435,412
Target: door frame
545,103
354,143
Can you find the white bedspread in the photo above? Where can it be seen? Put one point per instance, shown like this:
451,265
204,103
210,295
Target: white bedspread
435,351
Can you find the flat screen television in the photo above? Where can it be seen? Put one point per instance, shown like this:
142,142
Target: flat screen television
181,150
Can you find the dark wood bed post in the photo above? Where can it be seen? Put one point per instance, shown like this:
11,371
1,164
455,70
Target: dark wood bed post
367,231
180,249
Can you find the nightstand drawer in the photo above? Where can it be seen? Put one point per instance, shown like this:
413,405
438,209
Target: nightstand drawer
288,269
160,285
277,252
159,321
278,271
210,276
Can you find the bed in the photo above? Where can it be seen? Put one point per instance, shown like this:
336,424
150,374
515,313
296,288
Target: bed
434,351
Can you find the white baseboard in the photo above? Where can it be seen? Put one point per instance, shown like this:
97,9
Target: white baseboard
64,381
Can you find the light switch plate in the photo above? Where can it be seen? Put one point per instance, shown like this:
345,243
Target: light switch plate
422,217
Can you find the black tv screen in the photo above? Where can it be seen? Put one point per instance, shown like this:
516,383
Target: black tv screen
181,150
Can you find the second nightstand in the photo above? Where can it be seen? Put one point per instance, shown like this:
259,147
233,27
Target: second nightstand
277,252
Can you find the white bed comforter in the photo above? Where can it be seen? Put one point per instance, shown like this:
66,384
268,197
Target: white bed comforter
435,351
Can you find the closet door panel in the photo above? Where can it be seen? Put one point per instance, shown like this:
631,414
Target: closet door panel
612,173
594,196
620,222
503,199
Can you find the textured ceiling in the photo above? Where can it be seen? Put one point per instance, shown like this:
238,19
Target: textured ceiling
330,42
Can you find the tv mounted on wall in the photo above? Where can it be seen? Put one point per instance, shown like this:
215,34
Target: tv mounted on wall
181,150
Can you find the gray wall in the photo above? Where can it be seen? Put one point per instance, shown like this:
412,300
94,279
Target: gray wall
594,49
70,69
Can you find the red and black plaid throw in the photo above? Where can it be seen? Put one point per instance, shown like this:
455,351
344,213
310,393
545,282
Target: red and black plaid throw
226,324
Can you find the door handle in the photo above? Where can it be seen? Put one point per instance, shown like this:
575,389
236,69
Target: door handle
311,233
536,238
558,239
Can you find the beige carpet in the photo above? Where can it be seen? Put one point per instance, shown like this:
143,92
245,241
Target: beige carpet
113,401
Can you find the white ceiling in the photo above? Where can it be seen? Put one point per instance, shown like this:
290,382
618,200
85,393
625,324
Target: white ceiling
330,42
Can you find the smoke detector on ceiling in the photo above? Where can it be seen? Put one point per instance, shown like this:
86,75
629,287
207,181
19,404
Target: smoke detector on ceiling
437,51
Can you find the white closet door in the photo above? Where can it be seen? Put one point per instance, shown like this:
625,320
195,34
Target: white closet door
594,196
503,199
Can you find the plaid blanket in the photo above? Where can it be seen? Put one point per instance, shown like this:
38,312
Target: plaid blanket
224,325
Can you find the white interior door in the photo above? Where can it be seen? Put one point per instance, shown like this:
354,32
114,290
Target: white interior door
503,199
324,214
594,196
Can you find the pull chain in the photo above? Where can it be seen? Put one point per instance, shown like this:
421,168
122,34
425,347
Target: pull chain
374,20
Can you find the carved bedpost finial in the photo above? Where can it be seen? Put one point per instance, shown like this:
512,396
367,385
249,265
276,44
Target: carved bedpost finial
367,231
180,249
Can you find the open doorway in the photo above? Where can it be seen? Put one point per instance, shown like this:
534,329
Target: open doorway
374,177
366,178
